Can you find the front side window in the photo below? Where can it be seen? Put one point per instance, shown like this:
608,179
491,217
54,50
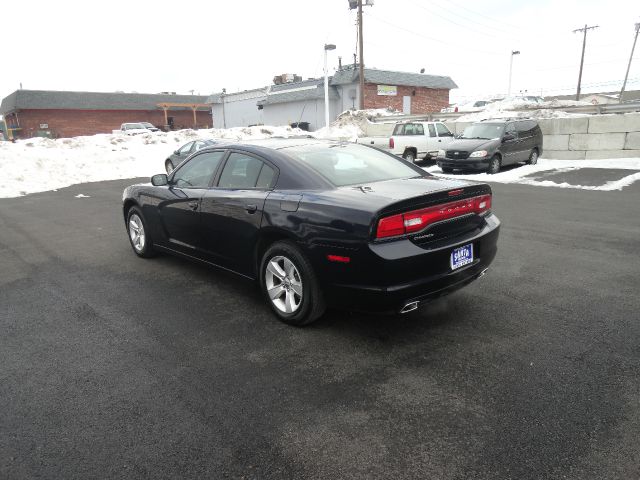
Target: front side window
443,131
244,171
349,164
198,172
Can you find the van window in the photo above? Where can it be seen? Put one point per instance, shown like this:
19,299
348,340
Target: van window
432,130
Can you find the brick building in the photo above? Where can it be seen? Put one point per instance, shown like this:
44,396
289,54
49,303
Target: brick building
302,101
30,113
411,93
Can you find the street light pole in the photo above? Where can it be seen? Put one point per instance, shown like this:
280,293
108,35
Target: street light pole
327,47
513,52
624,84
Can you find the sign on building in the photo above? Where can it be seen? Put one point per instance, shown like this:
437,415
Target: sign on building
390,90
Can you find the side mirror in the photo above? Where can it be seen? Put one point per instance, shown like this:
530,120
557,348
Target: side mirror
159,180
508,137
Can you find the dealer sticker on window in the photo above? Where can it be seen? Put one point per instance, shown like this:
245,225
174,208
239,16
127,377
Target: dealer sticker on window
461,256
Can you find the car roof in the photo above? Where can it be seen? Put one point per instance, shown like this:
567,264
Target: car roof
506,120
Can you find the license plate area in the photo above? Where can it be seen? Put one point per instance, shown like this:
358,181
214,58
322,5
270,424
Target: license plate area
461,256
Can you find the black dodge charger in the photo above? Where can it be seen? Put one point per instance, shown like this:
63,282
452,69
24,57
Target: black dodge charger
318,224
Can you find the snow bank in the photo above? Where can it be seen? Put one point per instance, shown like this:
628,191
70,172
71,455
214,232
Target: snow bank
40,164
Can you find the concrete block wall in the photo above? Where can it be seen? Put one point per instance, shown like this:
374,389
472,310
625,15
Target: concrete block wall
592,137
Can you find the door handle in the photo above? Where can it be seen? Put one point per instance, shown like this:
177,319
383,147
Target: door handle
193,205
251,208
439,140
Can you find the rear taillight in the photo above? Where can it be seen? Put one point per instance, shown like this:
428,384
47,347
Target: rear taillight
390,226
417,220
392,144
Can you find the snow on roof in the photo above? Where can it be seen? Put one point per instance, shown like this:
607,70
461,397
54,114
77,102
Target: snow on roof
50,99
389,77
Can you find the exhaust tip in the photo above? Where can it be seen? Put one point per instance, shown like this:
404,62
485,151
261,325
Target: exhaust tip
409,307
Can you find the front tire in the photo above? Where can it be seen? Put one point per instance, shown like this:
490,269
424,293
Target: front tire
290,285
139,234
494,165
446,170
533,157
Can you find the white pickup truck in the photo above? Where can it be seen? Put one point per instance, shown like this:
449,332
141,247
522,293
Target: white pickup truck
416,141
135,128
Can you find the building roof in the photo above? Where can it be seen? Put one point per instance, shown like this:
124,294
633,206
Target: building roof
237,96
388,77
310,89
48,100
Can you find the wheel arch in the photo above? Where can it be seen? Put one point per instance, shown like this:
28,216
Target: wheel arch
266,238
413,150
126,206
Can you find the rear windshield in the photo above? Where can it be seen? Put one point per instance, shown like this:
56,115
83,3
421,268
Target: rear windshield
485,131
349,164
408,129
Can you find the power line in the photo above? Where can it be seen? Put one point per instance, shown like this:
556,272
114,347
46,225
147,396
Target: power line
457,5
433,39
446,19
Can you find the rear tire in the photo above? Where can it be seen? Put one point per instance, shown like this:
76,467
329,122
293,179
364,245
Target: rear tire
494,165
138,234
533,157
409,156
446,170
290,285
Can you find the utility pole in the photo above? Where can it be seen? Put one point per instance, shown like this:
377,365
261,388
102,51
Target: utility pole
352,5
584,43
360,42
626,75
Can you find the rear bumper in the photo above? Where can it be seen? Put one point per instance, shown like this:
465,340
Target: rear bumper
429,272
466,164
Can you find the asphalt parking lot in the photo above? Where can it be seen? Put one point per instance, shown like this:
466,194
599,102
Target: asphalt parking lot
117,367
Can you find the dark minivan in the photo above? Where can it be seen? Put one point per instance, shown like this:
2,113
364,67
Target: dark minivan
491,144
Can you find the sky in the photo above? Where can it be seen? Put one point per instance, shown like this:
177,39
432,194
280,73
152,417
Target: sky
151,47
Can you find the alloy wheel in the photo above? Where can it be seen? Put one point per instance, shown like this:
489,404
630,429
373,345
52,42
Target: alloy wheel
136,232
284,284
534,158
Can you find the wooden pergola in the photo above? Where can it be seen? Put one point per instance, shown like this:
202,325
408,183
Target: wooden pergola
193,106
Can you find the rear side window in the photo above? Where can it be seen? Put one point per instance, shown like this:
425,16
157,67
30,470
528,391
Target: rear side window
244,171
198,171
409,129
522,127
186,148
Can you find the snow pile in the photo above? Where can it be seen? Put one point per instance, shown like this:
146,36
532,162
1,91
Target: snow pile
522,174
361,118
39,164
517,108
345,132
